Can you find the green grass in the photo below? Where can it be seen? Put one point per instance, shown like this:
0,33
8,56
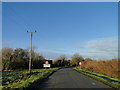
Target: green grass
18,79
113,82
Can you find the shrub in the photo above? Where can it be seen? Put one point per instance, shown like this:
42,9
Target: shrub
106,67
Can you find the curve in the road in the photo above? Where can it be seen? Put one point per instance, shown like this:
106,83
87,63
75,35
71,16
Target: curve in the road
68,78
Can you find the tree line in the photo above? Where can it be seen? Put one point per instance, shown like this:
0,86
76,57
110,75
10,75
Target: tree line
18,58
75,59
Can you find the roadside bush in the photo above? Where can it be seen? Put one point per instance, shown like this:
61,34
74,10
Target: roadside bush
106,67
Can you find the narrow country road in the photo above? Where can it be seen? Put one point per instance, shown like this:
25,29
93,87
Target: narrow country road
67,78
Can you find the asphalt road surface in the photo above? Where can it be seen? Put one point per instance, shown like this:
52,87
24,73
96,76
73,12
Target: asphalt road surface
68,78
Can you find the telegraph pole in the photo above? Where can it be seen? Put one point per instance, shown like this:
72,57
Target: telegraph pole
30,51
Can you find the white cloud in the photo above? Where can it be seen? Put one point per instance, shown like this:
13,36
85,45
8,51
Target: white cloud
103,48
104,44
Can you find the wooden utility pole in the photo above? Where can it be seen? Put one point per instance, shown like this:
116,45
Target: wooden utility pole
30,51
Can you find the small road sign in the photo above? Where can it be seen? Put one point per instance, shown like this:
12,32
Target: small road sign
46,65
80,63
46,62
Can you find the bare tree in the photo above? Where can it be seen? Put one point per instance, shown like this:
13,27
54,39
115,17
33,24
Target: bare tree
6,58
76,59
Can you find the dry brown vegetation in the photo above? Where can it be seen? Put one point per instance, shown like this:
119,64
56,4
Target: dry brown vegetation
106,67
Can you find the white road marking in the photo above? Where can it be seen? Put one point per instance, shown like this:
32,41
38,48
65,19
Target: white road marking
93,83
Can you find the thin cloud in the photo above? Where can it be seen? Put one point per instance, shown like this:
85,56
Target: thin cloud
50,55
100,48
55,49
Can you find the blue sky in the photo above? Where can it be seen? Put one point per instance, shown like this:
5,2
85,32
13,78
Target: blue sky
90,29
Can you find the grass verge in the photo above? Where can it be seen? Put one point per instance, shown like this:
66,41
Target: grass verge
113,82
22,79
